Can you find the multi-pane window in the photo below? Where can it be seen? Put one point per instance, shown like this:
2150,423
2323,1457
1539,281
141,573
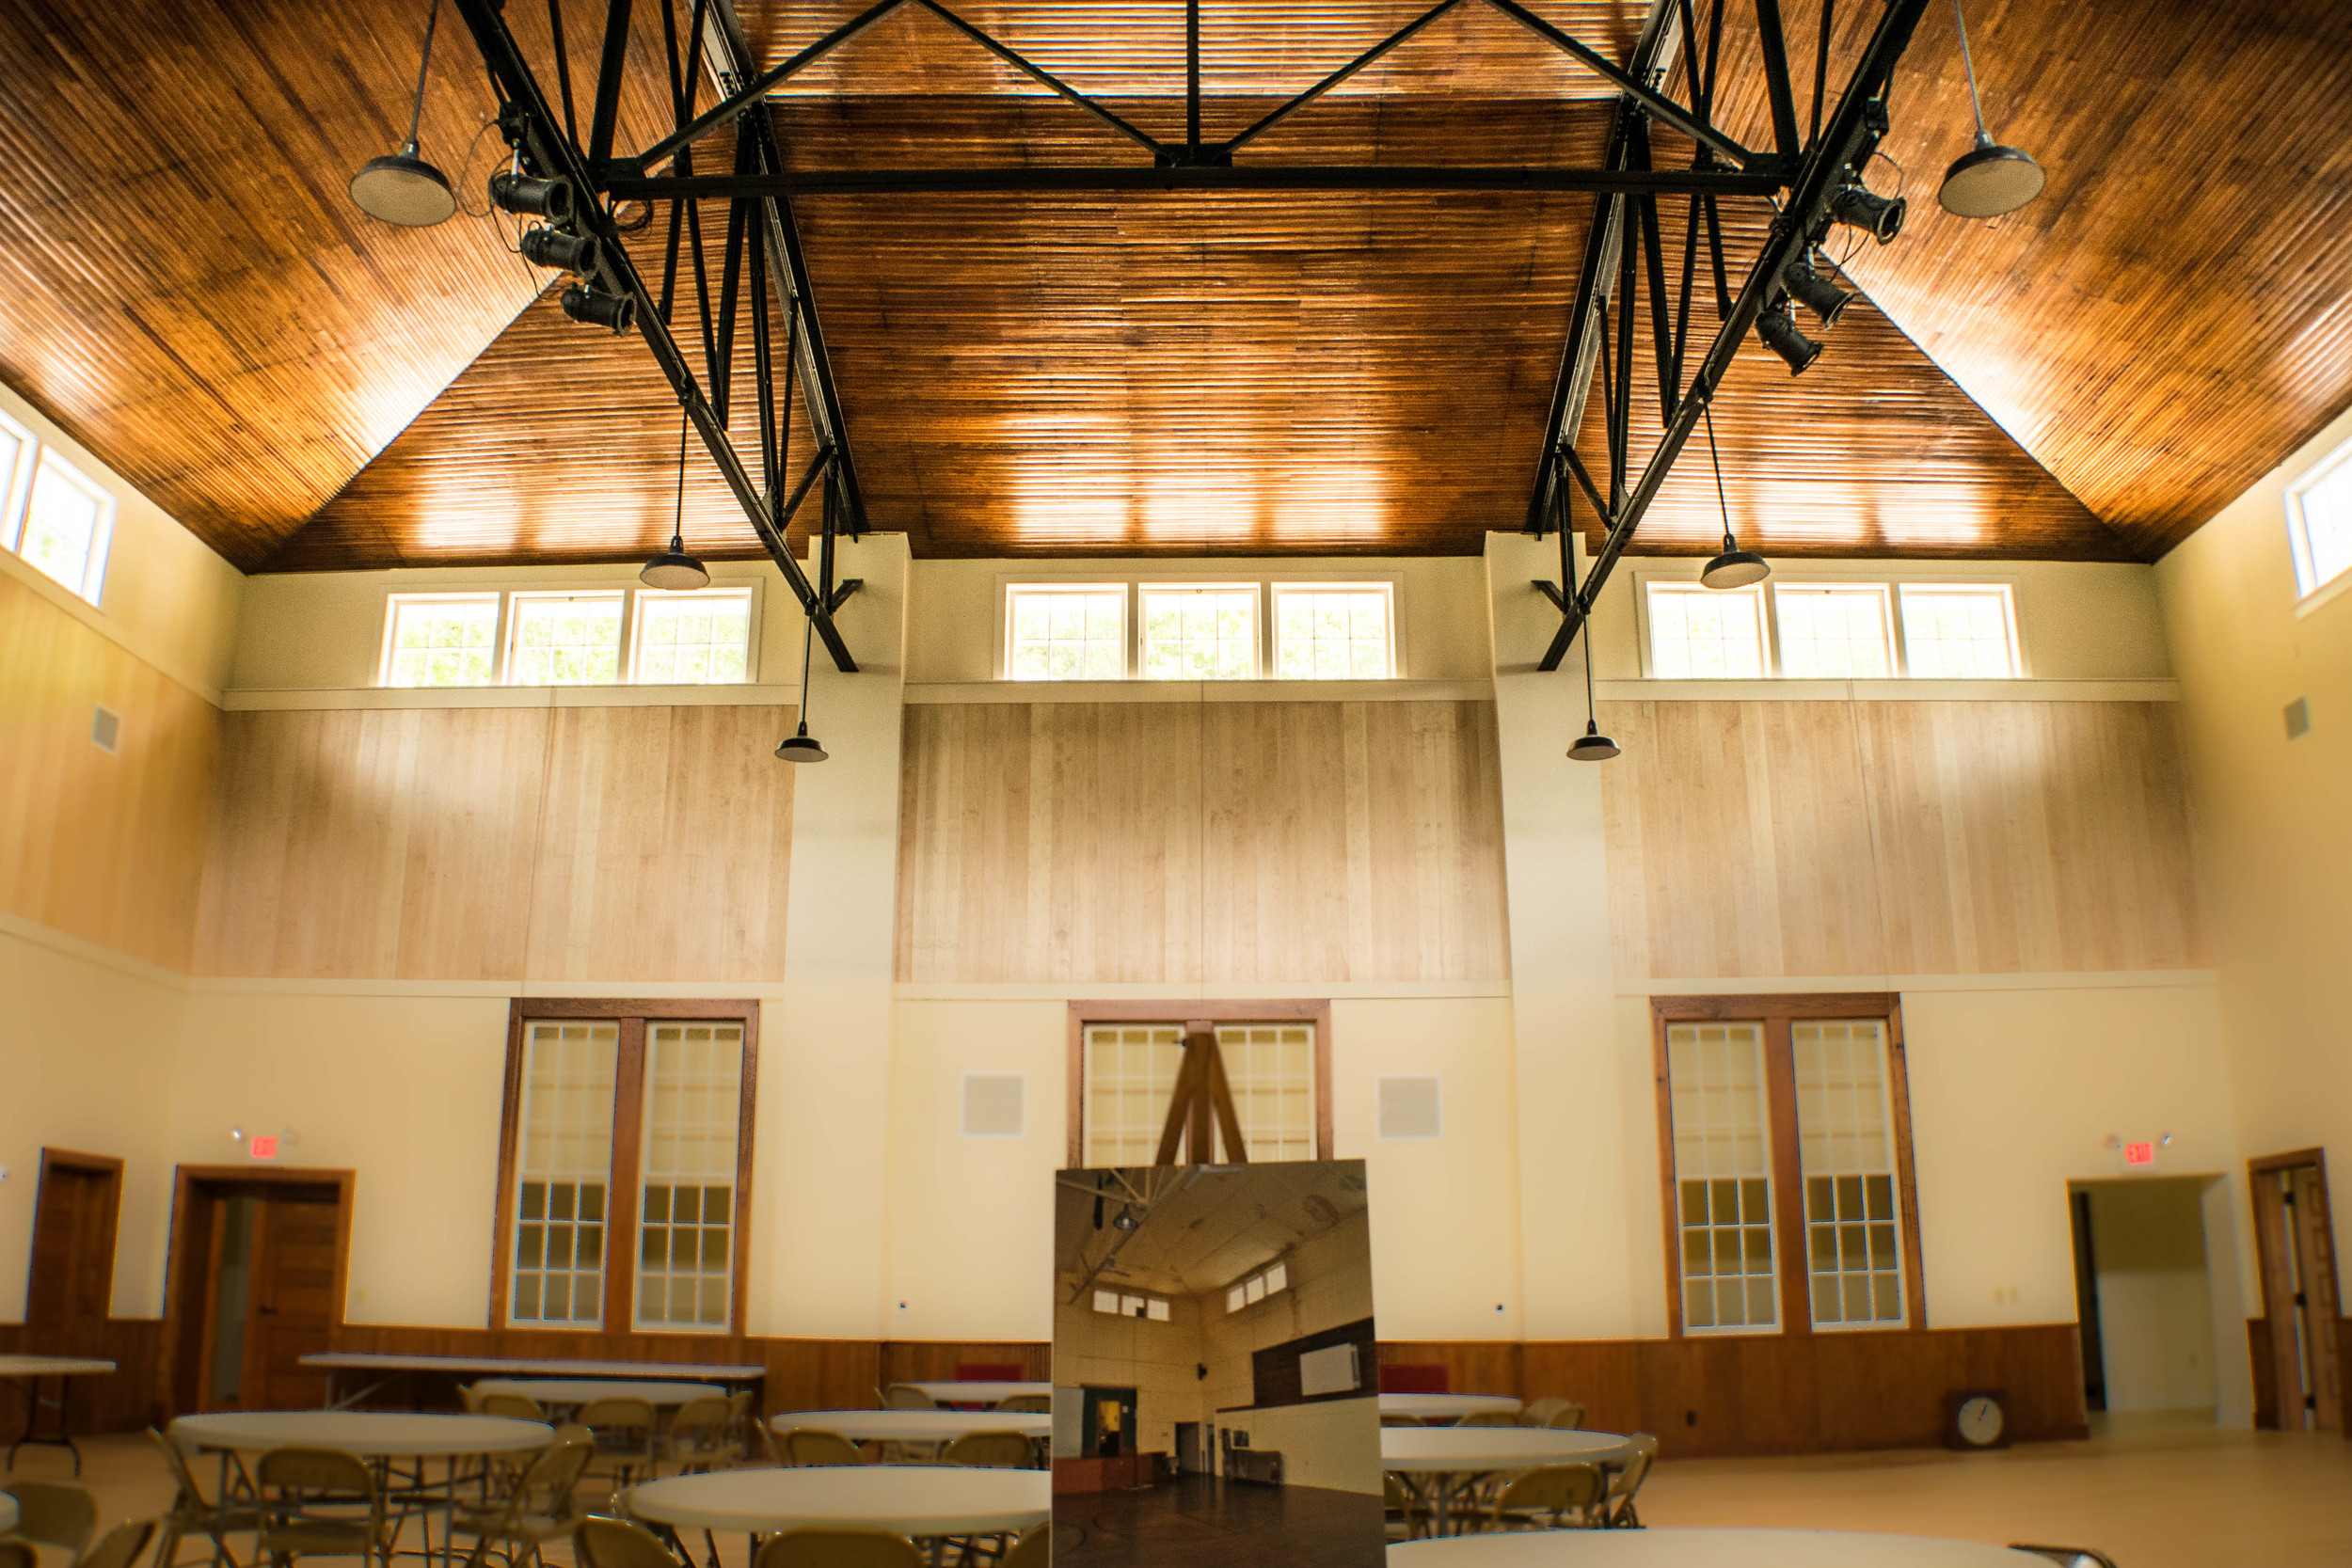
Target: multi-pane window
1121,1305
1257,1287
1130,1075
702,637
1199,634
1326,631
686,1219
1723,1175
69,520
2319,522
1765,1233
1697,633
1846,1150
565,640
1958,631
1066,634
1833,632
16,473
441,640
622,1186
564,1172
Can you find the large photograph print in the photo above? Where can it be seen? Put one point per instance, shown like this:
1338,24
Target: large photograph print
1216,1369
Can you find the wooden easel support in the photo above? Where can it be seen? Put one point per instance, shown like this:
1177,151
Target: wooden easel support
1203,1095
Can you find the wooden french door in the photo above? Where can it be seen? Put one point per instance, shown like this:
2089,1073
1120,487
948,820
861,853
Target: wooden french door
259,1270
71,1290
2296,1246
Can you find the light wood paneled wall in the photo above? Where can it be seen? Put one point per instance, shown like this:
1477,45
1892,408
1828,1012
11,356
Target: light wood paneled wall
1168,843
1755,839
478,844
107,847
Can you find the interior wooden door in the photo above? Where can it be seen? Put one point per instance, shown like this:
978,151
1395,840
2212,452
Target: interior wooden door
2316,1260
2274,1247
297,1236
71,1284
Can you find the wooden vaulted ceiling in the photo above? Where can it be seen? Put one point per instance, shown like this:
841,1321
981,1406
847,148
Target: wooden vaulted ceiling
192,295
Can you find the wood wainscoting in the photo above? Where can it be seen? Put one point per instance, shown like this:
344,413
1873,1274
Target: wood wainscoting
1771,1394
128,1400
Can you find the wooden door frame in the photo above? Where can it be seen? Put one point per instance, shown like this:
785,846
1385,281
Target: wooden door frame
181,1247
104,1164
2270,1268
1180,1011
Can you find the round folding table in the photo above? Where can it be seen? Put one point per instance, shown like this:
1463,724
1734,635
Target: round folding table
929,1430
373,1434
1438,1406
570,1393
31,1370
1441,1464
922,1501
1704,1548
980,1393
8,1514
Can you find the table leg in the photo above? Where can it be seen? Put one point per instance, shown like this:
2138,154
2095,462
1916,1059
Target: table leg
63,1437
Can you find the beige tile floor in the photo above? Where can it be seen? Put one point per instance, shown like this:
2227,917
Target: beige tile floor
2163,1492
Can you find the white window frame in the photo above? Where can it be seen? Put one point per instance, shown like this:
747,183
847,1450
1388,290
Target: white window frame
1888,623
2307,580
510,626
635,623
1257,1277
1766,630
1278,586
1259,660
102,529
392,601
1007,587
16,482
2004,588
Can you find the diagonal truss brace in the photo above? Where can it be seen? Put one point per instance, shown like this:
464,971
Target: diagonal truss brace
549,151
1846,141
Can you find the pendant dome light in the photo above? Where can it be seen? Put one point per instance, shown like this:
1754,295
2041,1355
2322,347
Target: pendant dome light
1989,179
1592,746
674,569
404,188
801,746
1734,567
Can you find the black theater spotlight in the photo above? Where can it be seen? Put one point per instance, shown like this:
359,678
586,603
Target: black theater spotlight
543,246
1857,206
526,196
584,302
1818,295
1776,326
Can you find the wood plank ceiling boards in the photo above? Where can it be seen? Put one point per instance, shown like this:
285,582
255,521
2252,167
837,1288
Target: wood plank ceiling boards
192,295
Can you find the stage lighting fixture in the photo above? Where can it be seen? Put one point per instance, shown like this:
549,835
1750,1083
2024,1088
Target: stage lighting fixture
1778,328
543,246
1859,207
1819,295
584,303
525,197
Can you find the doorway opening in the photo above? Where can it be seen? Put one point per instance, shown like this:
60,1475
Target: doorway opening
1107,1427
257,1267
2143,1294
71,1292
2298,1382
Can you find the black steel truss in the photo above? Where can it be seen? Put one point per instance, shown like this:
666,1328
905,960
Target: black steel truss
1625,264
1624,259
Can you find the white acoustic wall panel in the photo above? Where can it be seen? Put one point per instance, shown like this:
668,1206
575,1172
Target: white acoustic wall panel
1331,1370
1409,1106
995,1104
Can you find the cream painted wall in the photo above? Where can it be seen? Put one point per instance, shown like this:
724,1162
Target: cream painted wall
402,1088
88,1042
1334,1444
1158,1361
958,625
2272,811
166,596
2156,1338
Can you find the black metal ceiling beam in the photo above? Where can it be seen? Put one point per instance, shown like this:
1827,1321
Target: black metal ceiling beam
729,55
549,152
1595,280
1196,177
1851,132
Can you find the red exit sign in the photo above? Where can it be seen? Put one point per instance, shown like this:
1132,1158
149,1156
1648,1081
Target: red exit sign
2133,1154
263,1147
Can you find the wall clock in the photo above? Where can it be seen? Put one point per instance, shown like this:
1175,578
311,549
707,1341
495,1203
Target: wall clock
1977,1419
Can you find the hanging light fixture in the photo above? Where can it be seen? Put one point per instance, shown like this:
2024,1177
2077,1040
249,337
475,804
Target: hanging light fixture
803,747
1734,567
674,569
1989,179
404,188
1778,328
1592,746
